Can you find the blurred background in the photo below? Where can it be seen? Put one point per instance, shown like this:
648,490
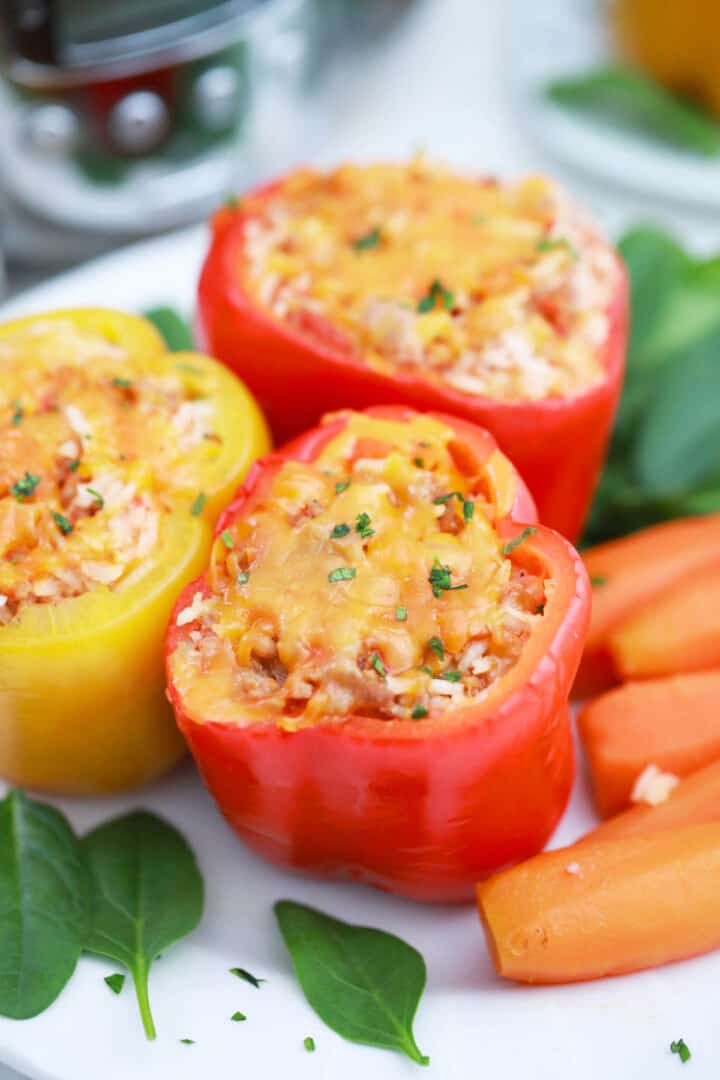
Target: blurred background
118,121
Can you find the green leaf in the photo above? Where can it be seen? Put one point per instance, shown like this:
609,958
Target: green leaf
43,905
628,97
655,263
363,983
247,976
115,982
678,445
173,327
146,893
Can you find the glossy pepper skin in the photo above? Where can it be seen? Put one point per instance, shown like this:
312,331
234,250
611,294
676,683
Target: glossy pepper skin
421,808
82,703
557,444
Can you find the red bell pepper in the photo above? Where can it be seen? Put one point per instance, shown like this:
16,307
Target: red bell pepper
423,808
558,444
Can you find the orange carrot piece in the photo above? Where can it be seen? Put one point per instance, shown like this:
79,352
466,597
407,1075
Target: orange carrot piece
605,907
632,571
695,800
677,631
673,723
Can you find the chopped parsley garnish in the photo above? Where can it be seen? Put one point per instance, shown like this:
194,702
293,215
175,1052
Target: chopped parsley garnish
556,243
440,579
681,1048
598,579
238,1016
437,647
437,293
18,414
362,526
343,573
451,676
427,670
419,462
376,662
419,712
446,498
243,577
227,538
74,465
23,489
65,526
468,510
339,530
468,506
342,485
115,982
401,614
518,540
122,384
96,496
309,1043
369,240
188,1042
540,609
198,504
247,977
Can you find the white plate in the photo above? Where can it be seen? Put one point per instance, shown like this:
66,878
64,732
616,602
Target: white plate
567,37
469,1022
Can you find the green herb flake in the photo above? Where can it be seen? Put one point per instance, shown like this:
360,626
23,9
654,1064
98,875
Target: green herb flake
365,984
115,982
597,580
24,488
363,526
246,976
238,1016
435,643
122,384
309,1044
468,510
419,712
369,240
427,670
18,413
437,293
401,613
440,579
343,573
341,485
451,676
172,326
376,662
516,541
227,538
188,1042
339,530
540,609
74,465
556,243
65,526
446,498
681,1048
198,504
96,496
419,462
243,577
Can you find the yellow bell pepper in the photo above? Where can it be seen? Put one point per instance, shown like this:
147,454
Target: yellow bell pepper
82,691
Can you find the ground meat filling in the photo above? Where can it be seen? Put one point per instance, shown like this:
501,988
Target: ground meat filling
95,447
497,290
371,581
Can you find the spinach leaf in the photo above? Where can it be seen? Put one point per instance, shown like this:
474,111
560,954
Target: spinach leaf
43,905
173,327
146,892
365,984
628,97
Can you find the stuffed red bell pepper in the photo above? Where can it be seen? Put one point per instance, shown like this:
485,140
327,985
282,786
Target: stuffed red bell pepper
409,283
373,672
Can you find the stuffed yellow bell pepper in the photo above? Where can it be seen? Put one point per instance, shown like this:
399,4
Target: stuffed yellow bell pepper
116,458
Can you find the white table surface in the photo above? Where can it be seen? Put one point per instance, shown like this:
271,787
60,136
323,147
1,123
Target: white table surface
439,81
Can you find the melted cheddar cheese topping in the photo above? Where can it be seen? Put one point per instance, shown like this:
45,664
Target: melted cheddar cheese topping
96,447
370,581
499,290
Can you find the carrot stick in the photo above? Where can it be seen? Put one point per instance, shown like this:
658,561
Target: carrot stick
630,572
673,723
695,800
677,631
605,907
